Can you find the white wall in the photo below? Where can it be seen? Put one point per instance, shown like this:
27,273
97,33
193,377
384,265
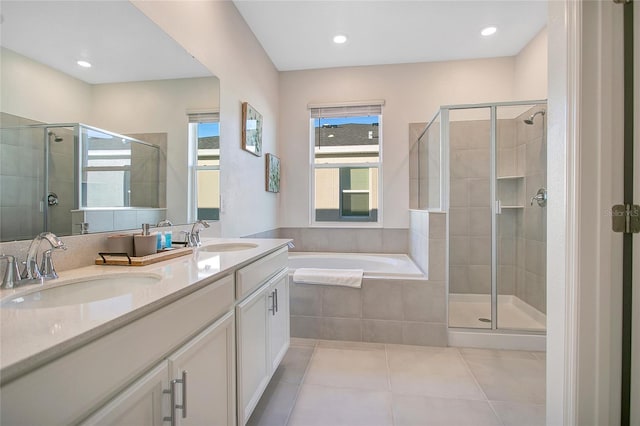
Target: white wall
531,76
35,91
413,93
158,107
215,34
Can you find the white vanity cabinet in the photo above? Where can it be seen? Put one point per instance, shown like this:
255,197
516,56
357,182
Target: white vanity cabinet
100,373
216,346
198,378
278,313
140,404
262,328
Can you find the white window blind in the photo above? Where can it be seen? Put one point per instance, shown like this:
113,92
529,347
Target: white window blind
204,117
345,111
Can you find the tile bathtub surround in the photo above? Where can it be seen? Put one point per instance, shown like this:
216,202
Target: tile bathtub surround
351,383
427,242
347,240
408,311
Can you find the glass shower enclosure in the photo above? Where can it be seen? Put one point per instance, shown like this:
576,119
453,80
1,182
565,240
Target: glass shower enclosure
491,163
49,171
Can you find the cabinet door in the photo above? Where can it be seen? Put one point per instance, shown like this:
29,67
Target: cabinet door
279,336
207,362
140,404
253,359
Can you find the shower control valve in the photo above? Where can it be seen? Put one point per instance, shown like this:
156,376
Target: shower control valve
540,197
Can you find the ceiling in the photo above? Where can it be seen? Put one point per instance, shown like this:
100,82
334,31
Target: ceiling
124,45
297,34
119,41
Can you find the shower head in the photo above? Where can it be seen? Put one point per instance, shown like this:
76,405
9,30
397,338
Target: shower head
530,119
56,138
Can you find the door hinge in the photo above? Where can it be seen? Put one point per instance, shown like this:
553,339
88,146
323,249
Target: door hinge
625,218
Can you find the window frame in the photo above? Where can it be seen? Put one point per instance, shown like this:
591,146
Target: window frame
369,164
195,119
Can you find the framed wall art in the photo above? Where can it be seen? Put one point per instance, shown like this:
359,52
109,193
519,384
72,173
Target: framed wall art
251,130
273,173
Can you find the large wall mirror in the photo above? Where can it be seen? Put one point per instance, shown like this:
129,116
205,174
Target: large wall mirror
132,139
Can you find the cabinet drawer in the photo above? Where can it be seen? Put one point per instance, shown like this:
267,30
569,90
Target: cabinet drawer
251,276
68,388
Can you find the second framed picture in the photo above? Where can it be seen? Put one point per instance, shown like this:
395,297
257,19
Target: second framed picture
273,173
251,130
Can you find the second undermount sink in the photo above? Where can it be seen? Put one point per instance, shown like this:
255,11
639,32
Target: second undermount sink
81,291
228,247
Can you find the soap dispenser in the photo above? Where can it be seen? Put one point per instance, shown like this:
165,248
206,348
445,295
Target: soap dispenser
144,244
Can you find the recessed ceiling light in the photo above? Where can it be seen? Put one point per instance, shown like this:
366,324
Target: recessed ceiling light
488,31
84,64
340,39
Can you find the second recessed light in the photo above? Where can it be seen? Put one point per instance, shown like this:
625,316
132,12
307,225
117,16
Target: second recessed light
488,31
84,64
340,39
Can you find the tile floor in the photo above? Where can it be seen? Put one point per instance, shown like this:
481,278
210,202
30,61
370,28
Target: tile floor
331,383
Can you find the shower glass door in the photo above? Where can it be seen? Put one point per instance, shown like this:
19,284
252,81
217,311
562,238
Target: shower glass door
470,216
521,216
497,215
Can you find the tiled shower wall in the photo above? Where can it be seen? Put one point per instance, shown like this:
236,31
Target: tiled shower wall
469,207
22,172
149,176
522,231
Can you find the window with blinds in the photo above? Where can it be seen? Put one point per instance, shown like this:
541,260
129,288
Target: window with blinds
346,162
204,143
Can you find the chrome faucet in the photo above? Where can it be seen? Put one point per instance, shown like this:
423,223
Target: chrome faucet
194,236
11,274
46,270
164,222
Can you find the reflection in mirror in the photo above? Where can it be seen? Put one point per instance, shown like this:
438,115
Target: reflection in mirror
204,143
143,90
104,180
117,171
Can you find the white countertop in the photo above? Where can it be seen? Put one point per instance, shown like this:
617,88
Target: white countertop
32,337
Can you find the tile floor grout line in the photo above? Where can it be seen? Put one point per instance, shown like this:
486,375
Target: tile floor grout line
495,412
475,379
386,357
299,389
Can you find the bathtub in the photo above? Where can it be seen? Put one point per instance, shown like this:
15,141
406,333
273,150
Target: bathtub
396,303
373,265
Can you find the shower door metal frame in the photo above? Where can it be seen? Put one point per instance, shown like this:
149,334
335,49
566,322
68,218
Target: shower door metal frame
444,137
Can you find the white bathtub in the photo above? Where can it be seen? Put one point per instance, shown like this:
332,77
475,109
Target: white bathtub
373,265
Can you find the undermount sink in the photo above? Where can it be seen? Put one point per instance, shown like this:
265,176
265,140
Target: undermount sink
228,247
82,291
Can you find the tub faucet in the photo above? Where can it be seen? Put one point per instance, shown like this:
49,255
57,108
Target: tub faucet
194,237
31,270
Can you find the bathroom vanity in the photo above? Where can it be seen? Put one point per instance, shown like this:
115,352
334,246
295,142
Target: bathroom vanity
189,341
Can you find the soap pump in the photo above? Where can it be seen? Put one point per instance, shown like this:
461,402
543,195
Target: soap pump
144,244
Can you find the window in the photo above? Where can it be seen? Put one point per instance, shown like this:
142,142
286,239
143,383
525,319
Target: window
204,141
345,164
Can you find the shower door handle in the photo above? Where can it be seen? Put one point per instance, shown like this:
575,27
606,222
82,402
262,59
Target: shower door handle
498,207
